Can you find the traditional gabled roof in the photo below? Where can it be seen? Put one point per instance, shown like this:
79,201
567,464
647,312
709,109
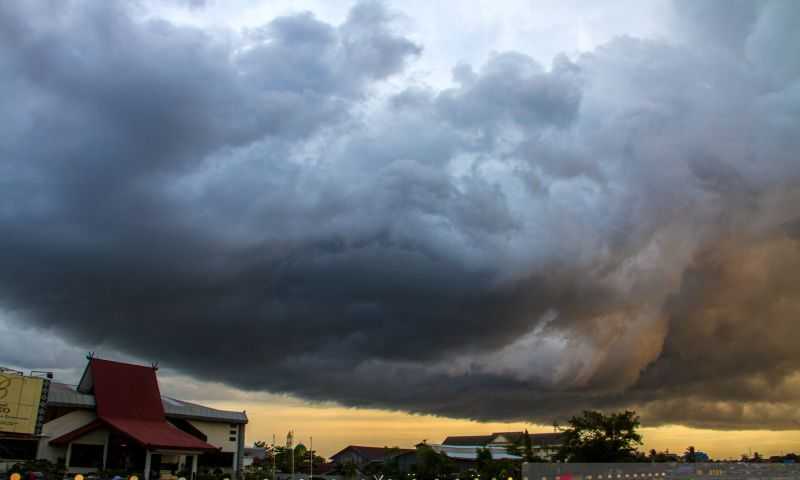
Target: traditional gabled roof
471,440
152,435
126,391
158,435
128,401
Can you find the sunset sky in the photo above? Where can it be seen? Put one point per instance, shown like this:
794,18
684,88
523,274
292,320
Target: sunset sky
378,222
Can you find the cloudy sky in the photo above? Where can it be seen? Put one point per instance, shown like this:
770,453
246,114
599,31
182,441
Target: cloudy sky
390,221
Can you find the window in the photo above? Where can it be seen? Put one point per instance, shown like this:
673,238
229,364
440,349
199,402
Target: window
216,459
90,456
232,439
18,449
233,432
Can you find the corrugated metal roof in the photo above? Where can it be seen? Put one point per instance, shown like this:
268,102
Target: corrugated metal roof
63,395
470,452
180,409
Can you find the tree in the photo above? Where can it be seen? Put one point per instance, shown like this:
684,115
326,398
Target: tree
349,470
302,459
528,448
690,456
489,468
388,468
431,464
484,462
595,437
283,458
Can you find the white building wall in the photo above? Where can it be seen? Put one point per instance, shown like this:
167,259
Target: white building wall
61,426
219,434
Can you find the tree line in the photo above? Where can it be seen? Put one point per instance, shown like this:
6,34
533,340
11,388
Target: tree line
592,436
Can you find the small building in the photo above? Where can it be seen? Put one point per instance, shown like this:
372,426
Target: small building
254,456
362,456
406,461
701,457
465,447
116,418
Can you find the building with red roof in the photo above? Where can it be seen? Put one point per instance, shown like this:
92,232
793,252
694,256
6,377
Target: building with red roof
117,419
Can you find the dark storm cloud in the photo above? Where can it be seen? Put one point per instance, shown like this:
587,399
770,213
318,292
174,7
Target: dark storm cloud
613,230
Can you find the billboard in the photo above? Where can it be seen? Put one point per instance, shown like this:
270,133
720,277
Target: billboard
20,403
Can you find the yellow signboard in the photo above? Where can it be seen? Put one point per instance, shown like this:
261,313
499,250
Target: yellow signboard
19,403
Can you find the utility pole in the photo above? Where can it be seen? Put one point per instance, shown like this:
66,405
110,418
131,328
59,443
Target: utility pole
311,465
273,456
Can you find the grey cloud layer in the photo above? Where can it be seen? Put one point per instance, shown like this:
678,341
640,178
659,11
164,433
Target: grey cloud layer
248,207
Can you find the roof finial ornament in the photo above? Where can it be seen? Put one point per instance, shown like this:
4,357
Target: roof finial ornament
154,365
90,356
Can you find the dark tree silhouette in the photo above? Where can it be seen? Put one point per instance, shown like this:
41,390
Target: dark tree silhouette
690,456
595,437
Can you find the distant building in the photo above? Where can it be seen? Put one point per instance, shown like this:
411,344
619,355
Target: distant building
254,456
362,456
700,457
543,445
788,458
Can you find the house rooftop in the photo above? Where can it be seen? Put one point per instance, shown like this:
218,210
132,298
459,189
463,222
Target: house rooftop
373,453
469,440
63,395
547,439
537,439
127,401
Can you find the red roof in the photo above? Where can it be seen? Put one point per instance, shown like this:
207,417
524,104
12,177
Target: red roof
122,390
162,435
128,401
